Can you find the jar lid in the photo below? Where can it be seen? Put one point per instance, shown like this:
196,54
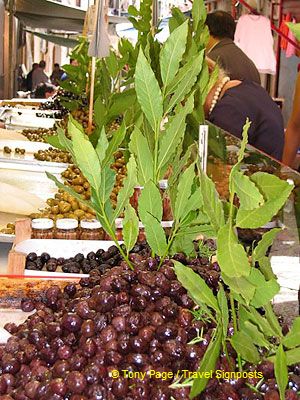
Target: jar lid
42,223
163,184
167,224
90,224
119,223
66,223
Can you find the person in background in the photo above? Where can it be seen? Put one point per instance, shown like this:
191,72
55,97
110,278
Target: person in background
44,91
292,135
222,49
39,76
230,102
29,77
56,75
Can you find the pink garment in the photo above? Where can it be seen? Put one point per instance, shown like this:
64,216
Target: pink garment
290,50
254,36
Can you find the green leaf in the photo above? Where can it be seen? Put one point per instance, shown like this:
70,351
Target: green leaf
183,244
196,287
212,206
266,268
262,215
272,319
198,13
265,290
100,112
184,80
254,316
256,336
108,177
130,227
243,346
263,245
148,92
248,194
128,187
231,255
241,286
177,19
208,363
223,305
184,192
172,52
292,339
195,202
114,144
120,102
155,235
150,202
112,64
270,185
70,191
293,356
139,147
86,157
173,135
102,145
64,141
54,141
281,371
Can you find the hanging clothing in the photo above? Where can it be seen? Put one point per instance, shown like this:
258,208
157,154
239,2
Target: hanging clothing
291,50
284,29
286,46
254,36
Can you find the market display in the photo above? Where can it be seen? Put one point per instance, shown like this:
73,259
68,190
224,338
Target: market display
53,155
39,134
179,307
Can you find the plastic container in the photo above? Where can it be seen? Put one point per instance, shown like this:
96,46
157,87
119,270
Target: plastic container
91,230
42,228
66,228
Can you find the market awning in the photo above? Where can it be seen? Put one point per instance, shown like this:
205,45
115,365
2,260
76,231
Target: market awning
49,14
53,15
56,39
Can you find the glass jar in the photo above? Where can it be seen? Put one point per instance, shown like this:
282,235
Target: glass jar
167,209
91,230
134,199
42,228
119,228
167,225
66,228
142,233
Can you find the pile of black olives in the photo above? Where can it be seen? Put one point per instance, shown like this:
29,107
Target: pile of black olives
137,320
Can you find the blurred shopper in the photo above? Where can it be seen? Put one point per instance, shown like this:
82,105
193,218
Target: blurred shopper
44,91
292,135
56,75
29,77
39,76
230,102
222,49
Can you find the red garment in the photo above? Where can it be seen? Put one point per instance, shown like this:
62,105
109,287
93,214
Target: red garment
284,29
